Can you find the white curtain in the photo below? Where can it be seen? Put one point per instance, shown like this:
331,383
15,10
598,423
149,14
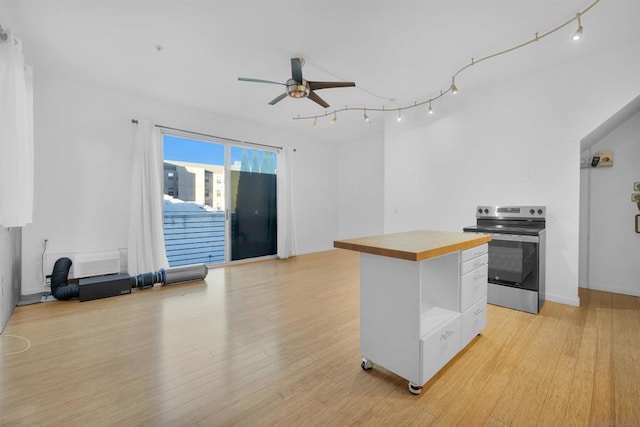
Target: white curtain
16,135
146,240
286,218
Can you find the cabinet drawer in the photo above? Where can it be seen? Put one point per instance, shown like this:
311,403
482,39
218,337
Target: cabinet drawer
437,348
474,263
473,287
474,252
474,321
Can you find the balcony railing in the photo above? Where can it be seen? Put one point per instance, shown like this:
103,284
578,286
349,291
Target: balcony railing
194,236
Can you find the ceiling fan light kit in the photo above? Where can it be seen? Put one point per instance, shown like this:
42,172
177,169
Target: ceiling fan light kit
298,87
296,90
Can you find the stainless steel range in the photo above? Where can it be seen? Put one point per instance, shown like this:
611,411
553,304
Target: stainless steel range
516,254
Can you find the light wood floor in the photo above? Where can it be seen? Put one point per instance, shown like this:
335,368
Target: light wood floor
276,343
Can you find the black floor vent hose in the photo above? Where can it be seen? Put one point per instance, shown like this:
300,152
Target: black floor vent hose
60,287
62,290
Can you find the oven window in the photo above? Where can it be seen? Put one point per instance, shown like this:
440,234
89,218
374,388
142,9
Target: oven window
513,263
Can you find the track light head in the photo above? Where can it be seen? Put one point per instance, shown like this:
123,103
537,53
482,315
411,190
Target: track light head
454,89
335,118
578,34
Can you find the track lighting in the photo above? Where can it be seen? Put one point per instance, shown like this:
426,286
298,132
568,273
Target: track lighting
315,122
453,88
578,34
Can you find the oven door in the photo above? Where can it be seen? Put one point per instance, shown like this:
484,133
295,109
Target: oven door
513,260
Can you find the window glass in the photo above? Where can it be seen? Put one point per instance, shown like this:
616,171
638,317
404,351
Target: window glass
194,231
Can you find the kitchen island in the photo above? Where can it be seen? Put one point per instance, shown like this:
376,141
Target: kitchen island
423,298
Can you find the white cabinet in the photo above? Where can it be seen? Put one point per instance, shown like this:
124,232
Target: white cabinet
438,347
474,319
474,264
473,287
415,316
473,291
474,252
474,273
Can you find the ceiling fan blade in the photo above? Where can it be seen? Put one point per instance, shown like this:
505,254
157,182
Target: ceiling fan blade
327,85
278,99
296,70
312,96
245,79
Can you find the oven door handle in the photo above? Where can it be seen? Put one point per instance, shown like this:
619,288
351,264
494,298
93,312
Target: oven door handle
514,237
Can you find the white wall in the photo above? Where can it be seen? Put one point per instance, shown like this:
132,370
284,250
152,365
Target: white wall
611,263
360,207
83,149
517,142
10,263
315,178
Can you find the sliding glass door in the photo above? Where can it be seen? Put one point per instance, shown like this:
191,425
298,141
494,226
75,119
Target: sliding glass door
219,201
254,216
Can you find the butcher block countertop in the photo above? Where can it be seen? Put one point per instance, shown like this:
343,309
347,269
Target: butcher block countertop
413,245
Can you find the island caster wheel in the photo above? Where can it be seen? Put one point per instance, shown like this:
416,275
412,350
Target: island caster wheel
414,389
366,364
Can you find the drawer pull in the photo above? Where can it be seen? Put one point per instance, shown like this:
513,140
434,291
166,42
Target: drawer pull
478,276
446,335
478,311
477,263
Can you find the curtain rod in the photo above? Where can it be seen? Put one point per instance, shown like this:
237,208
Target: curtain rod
135,122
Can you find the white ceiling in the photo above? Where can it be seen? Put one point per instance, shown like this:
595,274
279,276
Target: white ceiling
405,50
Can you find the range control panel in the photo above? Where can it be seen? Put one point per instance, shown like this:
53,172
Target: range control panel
511,212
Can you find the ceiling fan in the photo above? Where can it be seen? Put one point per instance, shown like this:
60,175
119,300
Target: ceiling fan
298,87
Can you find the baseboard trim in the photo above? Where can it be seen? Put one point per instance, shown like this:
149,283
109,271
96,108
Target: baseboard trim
563,300
615,290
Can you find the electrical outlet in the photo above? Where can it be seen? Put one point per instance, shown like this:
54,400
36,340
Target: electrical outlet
635,197
636,186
